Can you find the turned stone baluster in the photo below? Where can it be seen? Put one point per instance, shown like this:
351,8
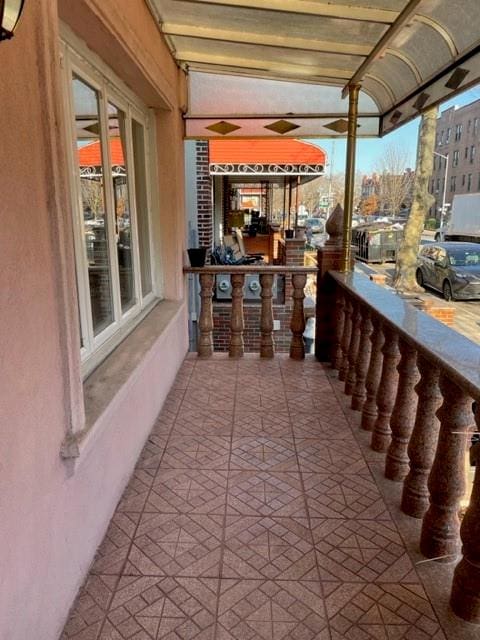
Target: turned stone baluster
364,350
465,598
297,324
422,445
205,322
267,347
337,355
386,392
346,335
440,528
403,415
353,349
236,320
369,410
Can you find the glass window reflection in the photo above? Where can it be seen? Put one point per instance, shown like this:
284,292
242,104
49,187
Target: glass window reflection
95,222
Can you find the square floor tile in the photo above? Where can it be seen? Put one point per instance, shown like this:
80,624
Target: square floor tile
90,608
136,492
176,545
254,423
267,405
194,491
274,548
209,380
113,551
197,452
167,609
384,611
361,550
182,380
152,452
264,454
307,425
326,402
267,610
300,402
164,423
209,398
338,495
332,456
193,422
260,493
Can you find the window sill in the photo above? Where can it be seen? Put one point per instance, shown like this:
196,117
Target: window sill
116,372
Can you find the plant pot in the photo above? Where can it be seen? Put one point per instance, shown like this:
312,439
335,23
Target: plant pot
197,256
300,233
289,234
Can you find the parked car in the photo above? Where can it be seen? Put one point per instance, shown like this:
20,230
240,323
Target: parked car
317,225
453,268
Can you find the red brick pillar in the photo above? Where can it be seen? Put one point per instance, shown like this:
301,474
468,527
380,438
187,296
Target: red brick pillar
294,257
204,196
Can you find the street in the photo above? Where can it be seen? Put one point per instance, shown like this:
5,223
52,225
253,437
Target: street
467,313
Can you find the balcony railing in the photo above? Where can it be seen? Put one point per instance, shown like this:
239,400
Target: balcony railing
298,279
414,381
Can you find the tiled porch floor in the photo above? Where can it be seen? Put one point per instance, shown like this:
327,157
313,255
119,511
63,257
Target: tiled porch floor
253,513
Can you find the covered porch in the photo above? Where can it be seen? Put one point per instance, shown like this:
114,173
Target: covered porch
258,507
258,510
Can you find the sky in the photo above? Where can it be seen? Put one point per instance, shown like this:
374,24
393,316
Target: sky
371,149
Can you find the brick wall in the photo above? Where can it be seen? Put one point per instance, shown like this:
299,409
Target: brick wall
293,253
204,196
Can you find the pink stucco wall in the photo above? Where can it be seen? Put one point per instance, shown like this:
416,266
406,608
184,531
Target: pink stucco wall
53,513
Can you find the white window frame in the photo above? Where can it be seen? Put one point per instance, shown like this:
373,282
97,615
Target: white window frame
110,89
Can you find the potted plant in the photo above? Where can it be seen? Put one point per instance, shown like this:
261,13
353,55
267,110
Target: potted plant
197,256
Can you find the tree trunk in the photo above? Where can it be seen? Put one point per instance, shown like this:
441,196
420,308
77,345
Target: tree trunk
406,266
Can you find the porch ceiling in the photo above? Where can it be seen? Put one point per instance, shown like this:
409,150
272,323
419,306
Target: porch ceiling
242,54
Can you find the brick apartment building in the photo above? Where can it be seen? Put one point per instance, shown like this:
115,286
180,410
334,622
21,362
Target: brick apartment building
458,137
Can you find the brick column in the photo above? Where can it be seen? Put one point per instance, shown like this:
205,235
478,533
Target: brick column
294,257
204,196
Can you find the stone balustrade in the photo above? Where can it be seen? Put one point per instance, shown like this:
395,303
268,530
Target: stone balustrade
207,275
415,380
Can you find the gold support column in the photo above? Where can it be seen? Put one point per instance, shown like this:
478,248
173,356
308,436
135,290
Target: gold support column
350,176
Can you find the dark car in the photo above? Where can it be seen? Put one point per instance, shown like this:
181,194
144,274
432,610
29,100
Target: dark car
453,268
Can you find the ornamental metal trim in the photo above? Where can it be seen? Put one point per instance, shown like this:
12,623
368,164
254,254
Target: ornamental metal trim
94,173
242,169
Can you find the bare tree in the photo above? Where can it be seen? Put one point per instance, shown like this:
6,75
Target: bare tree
92,196
395,181
406,265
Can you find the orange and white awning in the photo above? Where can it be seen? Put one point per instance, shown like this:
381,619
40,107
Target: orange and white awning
265,158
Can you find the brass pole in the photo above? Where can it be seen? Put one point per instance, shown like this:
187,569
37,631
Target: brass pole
296,201
289,200
350,176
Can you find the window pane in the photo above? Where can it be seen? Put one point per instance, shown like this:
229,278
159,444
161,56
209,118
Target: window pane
95,223
142,205
118,153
